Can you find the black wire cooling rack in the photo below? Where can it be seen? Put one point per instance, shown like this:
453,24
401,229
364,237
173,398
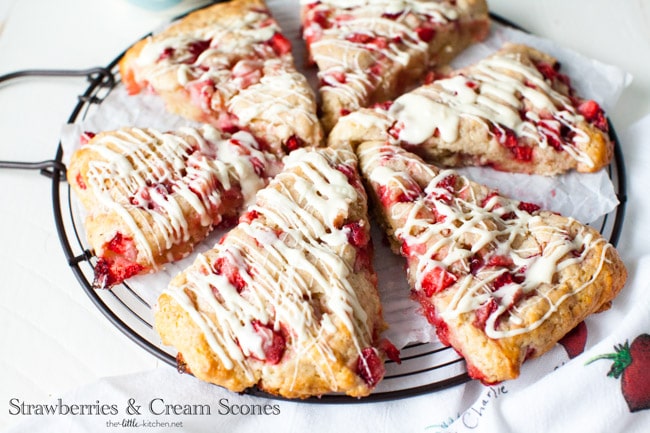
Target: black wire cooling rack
425,367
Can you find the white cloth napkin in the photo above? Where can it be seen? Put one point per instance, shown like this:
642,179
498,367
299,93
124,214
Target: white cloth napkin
555,393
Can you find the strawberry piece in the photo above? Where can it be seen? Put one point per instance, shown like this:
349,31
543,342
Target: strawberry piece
249,217
383,105
226,267
594,114
430,77
442,330
247,73
551,129
500,260
359,38
403,194
280,44
294,142
195,49
321,17
370,367
508,138
484,312
120,244
85,137
376,69
80,181
502,280
201,93
273,342
550,72
117,263
528,207
357,236
390,350
109,272
437,280
476,263
631,363
228,122
448,185
166,54
425,33
407,249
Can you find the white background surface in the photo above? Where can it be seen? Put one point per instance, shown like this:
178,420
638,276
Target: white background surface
52,338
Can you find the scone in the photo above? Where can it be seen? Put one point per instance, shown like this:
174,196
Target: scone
501,280
287,300
150,196
514,111
371,51
230,66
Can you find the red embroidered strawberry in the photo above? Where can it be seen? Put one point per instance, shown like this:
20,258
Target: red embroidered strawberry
574,342
631,364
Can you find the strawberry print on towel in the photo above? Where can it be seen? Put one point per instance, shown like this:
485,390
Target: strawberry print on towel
631,364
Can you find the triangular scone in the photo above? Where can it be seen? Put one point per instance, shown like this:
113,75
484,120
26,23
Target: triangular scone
228,65
370,51
150,197
287,301
514,111
501,280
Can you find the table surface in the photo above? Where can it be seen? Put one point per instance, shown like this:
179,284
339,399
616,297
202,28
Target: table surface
53,338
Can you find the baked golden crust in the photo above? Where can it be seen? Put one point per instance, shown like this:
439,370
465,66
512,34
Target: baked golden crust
501,280
513,111
373,52
230,66
287,301
150,197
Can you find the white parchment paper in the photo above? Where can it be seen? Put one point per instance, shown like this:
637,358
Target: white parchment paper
585,197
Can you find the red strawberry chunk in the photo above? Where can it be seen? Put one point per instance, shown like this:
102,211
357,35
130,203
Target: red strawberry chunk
123,245
528,207
403,194
249,217
195,49
85,137
357,236
226,267
167,53
594,114
370,366
425,33
280,44
551,130
476,263
201,93
293,143
502,280
407,249
484,312
273,342
499,260
80,181
390,350
321,18
109,272
383,105
507,138
437,280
